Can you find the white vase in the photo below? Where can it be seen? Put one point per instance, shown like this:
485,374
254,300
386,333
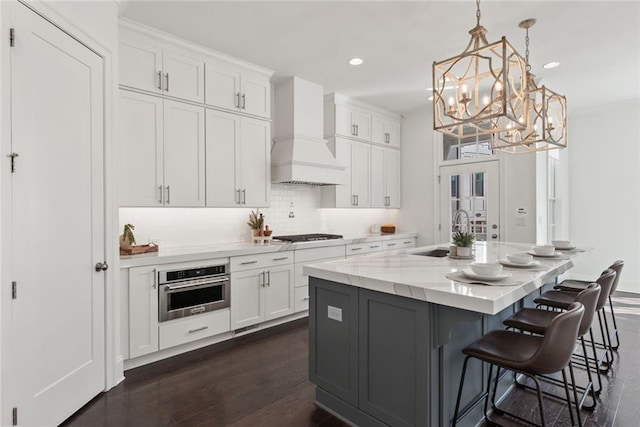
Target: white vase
464,250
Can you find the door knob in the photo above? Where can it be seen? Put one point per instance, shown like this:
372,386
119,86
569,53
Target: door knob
102,266
494,236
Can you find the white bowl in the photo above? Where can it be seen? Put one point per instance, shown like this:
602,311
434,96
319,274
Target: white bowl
544,249
520,258
486,268
561,243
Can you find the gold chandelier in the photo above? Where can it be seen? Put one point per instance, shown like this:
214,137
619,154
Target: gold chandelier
490,88
545,122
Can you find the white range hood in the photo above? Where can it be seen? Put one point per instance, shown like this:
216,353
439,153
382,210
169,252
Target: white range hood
300,155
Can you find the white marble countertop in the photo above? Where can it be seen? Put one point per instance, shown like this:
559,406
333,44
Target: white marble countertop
423,277
224,250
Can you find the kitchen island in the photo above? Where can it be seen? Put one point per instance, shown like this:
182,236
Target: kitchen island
386,332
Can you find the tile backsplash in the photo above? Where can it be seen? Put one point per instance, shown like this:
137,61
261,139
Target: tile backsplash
294,209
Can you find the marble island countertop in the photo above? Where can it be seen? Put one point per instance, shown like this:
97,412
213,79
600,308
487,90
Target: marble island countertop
223,250
423,277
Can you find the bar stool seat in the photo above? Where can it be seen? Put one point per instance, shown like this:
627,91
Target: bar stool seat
530,355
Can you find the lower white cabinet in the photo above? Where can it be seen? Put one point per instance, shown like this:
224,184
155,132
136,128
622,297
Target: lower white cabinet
261,294
395,244
187,329
143,311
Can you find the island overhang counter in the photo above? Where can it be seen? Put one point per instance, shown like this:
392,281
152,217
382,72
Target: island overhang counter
386,332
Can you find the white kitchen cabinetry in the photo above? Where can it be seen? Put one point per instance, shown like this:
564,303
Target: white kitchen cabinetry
233,87
385,177
395,244
385,130
355,192
143,311
352,122
155,66
237,160
361,249
311,256
161,153
262,288
192,328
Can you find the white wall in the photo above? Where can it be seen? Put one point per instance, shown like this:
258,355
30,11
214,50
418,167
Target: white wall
181,227
604,185
518,189
418,210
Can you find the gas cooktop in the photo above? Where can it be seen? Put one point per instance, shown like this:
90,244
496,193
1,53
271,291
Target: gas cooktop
307,237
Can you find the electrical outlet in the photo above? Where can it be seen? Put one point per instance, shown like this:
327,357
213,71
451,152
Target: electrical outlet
334,313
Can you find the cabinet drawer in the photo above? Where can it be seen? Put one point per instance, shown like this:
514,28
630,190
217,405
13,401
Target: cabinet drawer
302,298
303,280
193,328
248,262
363,248
391,245
306,255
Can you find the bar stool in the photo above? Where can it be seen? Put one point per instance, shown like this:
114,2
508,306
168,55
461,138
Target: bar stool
537,321
562,299
529,355
578,285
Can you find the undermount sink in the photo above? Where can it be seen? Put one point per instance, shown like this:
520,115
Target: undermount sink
436,253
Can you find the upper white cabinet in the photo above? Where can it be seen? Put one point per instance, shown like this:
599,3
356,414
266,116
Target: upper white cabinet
352,122
233,87
355,156
385,177
385,130
155,66
161,153
237,160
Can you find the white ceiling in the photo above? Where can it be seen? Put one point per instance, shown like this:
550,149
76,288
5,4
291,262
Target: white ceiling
597,43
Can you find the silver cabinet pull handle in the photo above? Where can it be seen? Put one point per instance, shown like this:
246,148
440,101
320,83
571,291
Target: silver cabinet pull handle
356,249
168,194
238,99
154,274
263,280
392,244
102,266
373,247
244,196
160,80
248,262
281,258
191,331
167,79
160,199
269,278
357,130
239,200
306,298
244,101
357,200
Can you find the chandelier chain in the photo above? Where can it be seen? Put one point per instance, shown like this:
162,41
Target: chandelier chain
478,12
526,53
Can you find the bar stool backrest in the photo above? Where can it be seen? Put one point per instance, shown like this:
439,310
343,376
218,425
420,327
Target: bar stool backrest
605,281
589,299
617,267
557,343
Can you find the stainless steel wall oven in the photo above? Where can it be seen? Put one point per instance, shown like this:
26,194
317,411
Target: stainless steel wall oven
192,291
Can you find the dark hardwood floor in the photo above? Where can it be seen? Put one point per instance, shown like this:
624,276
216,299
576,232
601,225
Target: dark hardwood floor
261,380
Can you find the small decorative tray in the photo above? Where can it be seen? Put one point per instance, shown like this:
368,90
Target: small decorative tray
139,249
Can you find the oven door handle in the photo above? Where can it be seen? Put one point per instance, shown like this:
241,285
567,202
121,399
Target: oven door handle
196,285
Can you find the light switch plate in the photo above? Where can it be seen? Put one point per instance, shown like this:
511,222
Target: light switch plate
334,313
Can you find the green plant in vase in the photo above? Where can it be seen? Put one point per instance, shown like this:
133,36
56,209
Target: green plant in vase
256,220
464,241
127,239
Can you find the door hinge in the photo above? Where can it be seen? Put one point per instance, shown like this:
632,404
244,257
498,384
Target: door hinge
12,37
15,417
14,290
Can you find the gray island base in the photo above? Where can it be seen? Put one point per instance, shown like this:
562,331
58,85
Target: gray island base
380,359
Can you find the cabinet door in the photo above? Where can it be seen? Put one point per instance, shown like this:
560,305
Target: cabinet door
183,76
362,121
246,298
222,85
344,125
140,167
393,177
378,190
183,154
143,311
254,167
378,130
223,135
256,94
140,65
344,193
279,293
392,129
360,173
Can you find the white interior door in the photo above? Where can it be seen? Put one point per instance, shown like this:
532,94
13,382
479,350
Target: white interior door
474,188
57,348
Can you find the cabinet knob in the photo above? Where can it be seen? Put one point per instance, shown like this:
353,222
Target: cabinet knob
102,266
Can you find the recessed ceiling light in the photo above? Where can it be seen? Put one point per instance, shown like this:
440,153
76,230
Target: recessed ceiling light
552,64
355,61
